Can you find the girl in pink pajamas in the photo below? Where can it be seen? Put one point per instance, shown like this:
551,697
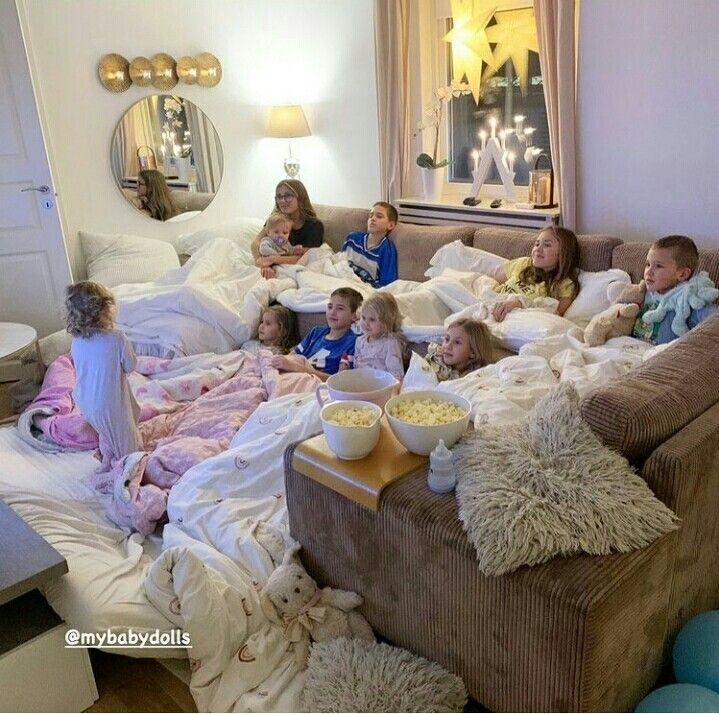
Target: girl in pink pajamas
102,357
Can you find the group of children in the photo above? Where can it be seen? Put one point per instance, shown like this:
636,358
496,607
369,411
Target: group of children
103,356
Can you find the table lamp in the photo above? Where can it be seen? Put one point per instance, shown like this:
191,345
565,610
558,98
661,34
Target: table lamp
288,122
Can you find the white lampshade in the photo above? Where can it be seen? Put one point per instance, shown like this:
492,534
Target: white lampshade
287,122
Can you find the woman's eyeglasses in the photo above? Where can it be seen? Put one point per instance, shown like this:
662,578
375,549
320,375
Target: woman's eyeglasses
284,196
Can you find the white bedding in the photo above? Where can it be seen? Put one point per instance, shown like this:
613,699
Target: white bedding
213,303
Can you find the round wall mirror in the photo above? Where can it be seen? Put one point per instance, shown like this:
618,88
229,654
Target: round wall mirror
166,158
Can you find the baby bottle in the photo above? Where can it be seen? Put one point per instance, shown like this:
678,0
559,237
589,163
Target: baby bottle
442,477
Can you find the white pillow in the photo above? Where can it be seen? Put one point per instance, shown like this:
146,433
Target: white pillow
178,218
459,256
241,231
114,259
520,327
595,291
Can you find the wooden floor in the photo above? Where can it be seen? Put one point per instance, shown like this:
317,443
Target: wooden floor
126,684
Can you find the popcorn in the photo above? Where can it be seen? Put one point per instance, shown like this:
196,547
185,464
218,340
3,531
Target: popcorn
426,412
352,416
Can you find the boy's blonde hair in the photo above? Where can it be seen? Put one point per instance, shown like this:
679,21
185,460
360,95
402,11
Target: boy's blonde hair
287,321
684,250
480,342
88,307
387,310
353,297
275,219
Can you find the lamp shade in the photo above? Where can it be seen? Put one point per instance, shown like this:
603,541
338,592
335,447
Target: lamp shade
287,122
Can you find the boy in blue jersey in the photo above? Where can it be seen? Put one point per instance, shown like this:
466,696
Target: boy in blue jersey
321,350
373,255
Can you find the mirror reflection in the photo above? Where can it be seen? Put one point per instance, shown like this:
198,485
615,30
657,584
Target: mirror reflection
167,158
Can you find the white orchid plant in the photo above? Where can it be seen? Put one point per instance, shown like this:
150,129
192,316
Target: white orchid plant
432,119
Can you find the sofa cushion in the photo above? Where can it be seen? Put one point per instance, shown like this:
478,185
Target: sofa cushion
339,221
639,411
595,251
631,257
417,244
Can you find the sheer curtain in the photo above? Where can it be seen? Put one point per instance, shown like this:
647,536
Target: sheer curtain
391,31
206,152
556,34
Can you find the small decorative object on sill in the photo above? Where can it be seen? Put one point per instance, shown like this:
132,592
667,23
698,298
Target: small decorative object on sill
164,75
471,201
541,184
114,72
148,159
141,71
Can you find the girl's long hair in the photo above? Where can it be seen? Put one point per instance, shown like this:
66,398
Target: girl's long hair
303,199
157,198
567,268
88,308
480,342
287,321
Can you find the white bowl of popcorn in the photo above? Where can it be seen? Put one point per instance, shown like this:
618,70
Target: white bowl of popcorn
351,428
420,419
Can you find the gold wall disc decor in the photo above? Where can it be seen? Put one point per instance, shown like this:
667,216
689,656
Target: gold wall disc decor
114,72
164,75
210,70
187,70
141,71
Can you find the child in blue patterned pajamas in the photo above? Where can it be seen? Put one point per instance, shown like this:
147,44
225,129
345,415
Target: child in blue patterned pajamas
102,357
373,255
321,350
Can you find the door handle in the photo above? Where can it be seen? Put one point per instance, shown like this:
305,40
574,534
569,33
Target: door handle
41,189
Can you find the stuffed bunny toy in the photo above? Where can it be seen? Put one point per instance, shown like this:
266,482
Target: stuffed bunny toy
618,319
292,599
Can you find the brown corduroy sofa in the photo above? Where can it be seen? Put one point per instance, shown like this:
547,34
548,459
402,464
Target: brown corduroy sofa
575,634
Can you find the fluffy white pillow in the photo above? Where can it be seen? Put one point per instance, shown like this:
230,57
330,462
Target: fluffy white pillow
115,259
241,231
459,256
595,291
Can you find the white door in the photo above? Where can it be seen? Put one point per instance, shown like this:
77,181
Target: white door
34,268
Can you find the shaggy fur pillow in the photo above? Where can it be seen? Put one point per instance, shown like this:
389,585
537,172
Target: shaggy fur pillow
346,675
547,486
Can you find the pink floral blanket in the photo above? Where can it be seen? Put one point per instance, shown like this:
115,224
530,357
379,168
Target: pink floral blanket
190,409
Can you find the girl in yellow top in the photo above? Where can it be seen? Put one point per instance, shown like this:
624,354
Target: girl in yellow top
551,271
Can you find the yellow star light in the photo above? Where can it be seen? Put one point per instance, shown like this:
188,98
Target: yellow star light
514,35
469,42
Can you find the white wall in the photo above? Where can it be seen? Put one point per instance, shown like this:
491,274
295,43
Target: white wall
648,118
318,53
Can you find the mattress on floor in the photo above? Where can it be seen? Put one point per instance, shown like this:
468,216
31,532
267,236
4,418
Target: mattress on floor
104,588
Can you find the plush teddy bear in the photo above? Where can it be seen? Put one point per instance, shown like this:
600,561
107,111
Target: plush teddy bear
292,599
618,319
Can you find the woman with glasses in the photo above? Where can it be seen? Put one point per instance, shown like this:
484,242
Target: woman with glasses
292,200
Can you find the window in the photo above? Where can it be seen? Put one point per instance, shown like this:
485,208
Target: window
501,97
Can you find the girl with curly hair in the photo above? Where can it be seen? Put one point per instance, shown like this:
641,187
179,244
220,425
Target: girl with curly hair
102,356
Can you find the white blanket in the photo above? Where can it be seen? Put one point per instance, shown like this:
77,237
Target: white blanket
213,303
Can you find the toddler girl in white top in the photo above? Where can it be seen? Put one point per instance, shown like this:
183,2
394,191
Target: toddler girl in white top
381,344
102,357
277,332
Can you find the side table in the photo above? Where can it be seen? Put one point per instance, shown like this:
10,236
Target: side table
15,338
37,673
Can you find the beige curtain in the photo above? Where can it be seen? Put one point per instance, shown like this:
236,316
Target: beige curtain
391,31
557,57
206,151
